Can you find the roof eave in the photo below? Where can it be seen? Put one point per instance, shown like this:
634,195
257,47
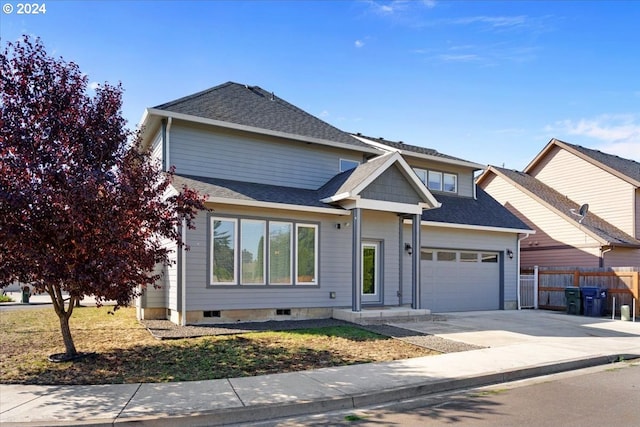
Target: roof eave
252,129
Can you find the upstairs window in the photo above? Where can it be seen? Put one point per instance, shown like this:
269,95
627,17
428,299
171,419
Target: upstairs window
438,181
450,183
435,181
346,165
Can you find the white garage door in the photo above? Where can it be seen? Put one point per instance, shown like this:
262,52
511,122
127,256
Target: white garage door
459,280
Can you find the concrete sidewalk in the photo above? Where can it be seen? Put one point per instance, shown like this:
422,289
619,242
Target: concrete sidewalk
521,344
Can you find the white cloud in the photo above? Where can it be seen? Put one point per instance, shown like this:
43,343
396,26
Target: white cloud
359,43
616,133
324,114
94,85
493,21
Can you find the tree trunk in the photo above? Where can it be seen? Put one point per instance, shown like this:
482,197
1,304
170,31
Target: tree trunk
64,314
69,346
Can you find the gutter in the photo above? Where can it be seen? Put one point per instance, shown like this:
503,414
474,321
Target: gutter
183,273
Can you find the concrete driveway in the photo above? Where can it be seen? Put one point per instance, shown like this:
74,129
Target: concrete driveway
505,328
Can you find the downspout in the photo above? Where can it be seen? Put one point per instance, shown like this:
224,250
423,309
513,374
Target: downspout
401,258
602,252
183,273
165,155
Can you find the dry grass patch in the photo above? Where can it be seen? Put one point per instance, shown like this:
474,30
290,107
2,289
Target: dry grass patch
126,353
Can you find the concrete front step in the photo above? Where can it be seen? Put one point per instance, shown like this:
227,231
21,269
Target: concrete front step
376,316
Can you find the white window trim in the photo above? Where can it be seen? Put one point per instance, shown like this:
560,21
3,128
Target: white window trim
235,250
455,182
264,249
315,249
429,180
291,249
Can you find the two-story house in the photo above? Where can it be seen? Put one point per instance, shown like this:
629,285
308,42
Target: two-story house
306,219
584,205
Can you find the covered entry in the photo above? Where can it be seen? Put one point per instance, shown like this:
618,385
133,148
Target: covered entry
460,280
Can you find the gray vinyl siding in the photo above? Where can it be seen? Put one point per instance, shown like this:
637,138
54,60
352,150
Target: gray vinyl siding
156,147
383,227
219,153
449,238
154,298
334,267
391,186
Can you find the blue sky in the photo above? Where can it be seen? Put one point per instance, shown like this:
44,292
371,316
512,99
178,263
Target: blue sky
490,82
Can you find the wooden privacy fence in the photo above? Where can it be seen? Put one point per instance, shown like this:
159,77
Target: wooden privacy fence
620,282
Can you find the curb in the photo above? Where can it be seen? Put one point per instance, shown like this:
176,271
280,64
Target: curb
356,401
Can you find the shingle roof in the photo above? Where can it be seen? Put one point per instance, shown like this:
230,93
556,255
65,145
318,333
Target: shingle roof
249,191
412,148
627,167
483,211
255,107
564,205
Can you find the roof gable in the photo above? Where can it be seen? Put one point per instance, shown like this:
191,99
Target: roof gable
256,108
351,185
625,169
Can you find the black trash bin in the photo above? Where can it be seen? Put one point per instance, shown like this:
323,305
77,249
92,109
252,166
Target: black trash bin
26,293
594,301
572,295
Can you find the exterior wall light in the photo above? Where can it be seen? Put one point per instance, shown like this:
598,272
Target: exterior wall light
510,253
407,247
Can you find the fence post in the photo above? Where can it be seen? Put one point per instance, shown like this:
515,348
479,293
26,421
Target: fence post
535,287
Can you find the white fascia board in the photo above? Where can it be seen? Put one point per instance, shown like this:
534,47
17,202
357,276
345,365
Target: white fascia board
382,147
336,198
378,205
474,227
273,205
252,129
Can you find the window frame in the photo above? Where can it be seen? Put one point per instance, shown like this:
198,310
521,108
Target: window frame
435,173
353,162
315,227
455,182
212,280
264,249
291,250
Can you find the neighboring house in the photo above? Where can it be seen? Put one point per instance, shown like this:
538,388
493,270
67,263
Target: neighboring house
306,218
548,196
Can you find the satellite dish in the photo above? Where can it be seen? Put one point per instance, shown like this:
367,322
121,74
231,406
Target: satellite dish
582,212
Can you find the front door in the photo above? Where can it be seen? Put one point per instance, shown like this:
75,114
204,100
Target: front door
370,280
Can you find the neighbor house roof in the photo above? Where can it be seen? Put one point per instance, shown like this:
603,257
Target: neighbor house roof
626,169
563,206
483,211
255,108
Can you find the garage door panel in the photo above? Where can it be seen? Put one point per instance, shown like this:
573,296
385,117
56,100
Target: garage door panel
460,286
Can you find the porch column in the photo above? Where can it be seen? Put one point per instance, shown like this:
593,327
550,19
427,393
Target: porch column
415,262
356,260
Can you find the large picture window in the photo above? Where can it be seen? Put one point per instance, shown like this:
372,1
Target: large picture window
252,234
223,254
280,241
307,253
248,251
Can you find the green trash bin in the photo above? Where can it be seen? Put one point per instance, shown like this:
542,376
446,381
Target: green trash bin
26,293
574,303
